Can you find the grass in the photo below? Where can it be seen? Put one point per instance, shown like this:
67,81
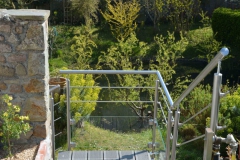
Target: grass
94,138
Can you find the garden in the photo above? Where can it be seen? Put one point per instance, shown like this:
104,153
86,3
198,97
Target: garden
174,37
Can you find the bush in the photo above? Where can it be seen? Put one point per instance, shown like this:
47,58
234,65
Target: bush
225,24
13,125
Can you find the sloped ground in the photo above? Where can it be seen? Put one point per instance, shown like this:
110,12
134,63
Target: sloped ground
21,152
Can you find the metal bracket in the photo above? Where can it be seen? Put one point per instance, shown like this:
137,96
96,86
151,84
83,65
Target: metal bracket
151,122
72,144
151,145
72,122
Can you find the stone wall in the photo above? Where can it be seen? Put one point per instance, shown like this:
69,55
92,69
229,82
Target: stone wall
24,71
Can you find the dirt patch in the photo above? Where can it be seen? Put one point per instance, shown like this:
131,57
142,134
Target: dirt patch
21,152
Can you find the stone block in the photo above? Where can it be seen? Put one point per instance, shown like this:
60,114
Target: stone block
6,71
5,28
39,131
2,38
2,59
5,48
35,86
34,39
19,29
17,58
15,88
24,138
35,108
3,86
33,61
12,39
21,70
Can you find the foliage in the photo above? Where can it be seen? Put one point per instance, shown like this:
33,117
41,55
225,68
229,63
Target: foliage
121,16
181,13
86,9
84,89
81,49
225,24
168,50
154,10
20,4
127,55
188,132
205,20
230,111
199,98
205,46
191,151
13,125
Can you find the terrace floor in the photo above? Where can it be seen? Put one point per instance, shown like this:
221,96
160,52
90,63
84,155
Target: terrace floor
104,155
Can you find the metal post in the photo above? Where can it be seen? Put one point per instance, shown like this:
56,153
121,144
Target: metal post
215,101
68,115
169,132
53,126
175,135
208,142
155,119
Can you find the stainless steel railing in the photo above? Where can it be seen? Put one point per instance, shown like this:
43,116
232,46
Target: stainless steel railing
215,101
164,92
172,121
52,106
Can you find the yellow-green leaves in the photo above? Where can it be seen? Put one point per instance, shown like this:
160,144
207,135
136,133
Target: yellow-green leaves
83,89
13,124
121,17
81,49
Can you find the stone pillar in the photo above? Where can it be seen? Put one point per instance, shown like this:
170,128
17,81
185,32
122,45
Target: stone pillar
24,71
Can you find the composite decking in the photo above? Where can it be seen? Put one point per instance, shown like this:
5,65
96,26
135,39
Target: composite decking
104,155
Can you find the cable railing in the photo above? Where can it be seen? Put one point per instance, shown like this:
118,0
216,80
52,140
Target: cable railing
52,90
169,126
157,136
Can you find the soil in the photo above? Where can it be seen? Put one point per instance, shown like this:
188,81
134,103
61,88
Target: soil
21,152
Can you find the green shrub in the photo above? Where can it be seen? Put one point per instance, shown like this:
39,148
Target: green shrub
13,125
225,24
79,93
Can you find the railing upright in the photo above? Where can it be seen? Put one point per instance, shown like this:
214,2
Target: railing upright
154,120
68,115
222,53
51,104
169,134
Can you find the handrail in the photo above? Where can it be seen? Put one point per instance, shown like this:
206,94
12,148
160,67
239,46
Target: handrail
216,60
123,72
222,53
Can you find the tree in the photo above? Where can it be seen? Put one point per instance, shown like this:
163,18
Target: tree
154,9
129,55
86,9
8,4
81,49
121,16
181,13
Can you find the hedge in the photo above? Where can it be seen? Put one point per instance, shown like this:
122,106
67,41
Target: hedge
226,26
